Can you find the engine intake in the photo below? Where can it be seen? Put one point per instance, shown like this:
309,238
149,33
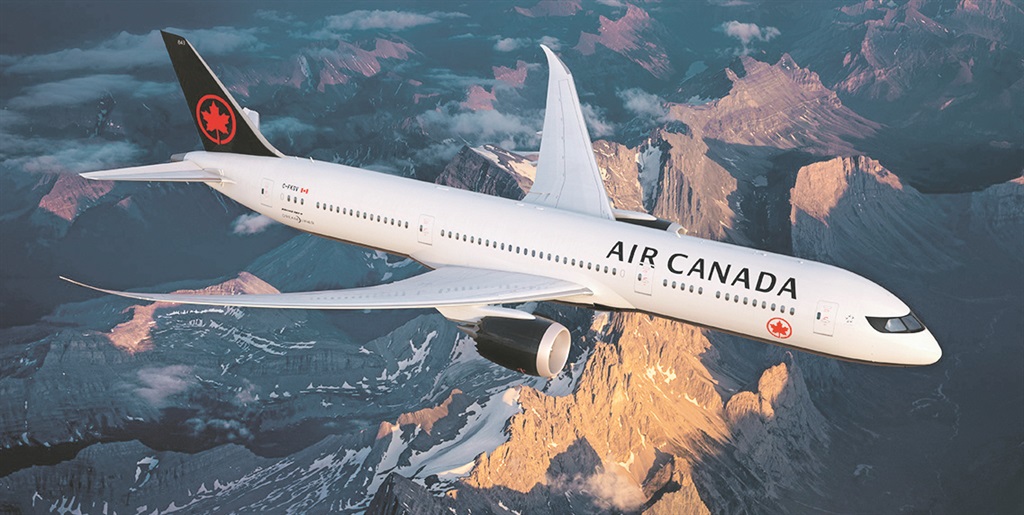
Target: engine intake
537,347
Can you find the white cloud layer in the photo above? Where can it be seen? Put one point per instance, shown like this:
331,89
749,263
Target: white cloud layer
160,383
384,20
748,33
251,223
126,51
644,104
91,88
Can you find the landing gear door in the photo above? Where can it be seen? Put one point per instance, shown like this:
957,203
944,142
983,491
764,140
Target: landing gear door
644,281
266,191
825,317
426,230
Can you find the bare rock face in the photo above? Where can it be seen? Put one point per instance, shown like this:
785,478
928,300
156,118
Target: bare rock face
618,165
846,210
134,335
648,410
70,196
635,36
999,211
777,431
781,106
491,170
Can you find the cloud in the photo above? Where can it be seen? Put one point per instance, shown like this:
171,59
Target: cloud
68,156
614,489
218,430
748,33
643,104
551,42
251,223
384,20
160,383
596,124
617,490
479,127
510,44
80,90
301,136
127,51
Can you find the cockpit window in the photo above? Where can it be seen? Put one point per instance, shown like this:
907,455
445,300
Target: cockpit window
904,324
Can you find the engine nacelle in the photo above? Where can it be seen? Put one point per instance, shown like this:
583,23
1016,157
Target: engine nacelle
647,220
538,347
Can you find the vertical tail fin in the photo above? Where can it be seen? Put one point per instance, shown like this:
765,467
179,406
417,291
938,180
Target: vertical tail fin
223,127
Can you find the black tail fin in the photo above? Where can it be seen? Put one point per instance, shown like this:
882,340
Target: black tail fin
223,127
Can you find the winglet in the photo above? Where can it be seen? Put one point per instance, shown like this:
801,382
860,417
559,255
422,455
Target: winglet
567,173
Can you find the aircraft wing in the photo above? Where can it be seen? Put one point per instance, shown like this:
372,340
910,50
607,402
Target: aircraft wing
567,174
442,288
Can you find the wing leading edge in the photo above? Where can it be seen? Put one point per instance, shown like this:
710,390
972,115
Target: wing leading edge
567,174
442,288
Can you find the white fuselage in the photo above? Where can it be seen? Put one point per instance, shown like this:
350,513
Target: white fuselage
765,296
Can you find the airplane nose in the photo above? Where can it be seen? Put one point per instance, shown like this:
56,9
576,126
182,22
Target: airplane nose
930,352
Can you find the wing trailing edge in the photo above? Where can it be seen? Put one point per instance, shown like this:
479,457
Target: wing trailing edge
449,287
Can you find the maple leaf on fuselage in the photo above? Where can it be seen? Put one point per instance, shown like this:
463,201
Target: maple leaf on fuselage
215,121
780,329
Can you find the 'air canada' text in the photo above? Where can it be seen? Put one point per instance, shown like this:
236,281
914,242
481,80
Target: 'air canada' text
681,264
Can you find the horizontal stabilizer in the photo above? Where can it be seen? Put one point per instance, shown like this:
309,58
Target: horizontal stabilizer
181,171
449,286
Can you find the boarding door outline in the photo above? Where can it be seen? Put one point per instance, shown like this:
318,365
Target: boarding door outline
825,318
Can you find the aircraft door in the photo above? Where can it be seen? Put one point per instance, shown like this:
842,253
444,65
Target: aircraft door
644,282
426,230
825,317
266,191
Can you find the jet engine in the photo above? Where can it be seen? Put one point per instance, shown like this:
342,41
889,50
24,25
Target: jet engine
646,220
538,347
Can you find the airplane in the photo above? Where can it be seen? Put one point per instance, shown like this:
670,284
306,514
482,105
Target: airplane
563,242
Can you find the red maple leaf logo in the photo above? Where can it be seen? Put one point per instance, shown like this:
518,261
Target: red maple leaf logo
215,121
779,328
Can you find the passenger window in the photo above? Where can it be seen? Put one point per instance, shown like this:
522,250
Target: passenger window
318,205
573,261
700,291
518,249
664,282
726,296
792,311
502,246
615,271
718,294
588,265
673,285
745,299
764,304
302,201
472,239
533,253
289,198
782,309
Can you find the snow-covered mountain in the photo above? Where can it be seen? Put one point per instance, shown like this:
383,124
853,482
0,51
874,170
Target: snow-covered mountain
792,139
